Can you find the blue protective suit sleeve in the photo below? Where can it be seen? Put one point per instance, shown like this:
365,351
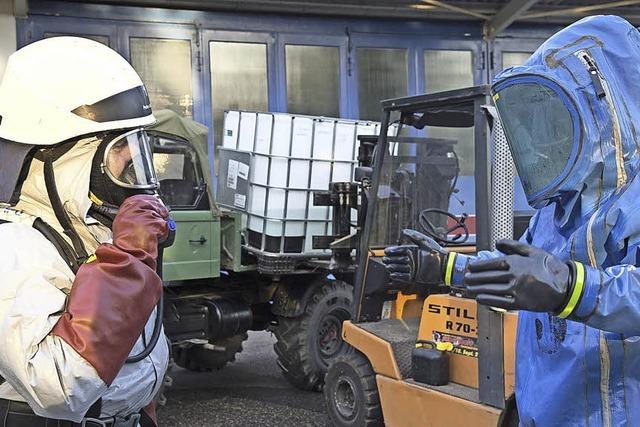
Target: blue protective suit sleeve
460,262
611,300
460,265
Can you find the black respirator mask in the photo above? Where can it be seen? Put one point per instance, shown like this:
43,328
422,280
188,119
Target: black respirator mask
122,167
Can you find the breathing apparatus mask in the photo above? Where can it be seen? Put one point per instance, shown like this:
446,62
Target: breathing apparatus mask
122,167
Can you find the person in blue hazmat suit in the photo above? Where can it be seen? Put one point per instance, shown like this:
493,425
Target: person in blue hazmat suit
571,115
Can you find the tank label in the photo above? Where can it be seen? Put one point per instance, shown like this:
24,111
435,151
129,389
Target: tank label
243,171
240,201
232,174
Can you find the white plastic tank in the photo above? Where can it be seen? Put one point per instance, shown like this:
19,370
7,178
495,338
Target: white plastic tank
292,156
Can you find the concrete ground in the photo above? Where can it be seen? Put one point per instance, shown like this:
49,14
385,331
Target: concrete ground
248,392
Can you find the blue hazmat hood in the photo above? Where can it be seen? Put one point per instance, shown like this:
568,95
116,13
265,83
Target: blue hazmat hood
570,113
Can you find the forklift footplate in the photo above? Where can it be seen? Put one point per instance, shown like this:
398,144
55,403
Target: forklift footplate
452,389
401,334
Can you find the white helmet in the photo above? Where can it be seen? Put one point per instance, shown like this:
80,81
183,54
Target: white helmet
65,87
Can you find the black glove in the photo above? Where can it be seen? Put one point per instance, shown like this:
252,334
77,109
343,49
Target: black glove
526,278
421,263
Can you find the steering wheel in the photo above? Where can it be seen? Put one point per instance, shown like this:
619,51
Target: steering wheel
441,234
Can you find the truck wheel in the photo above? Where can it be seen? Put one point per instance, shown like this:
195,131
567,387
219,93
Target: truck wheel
351,393
199,358
306,344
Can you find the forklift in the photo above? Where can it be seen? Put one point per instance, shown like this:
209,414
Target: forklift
429,357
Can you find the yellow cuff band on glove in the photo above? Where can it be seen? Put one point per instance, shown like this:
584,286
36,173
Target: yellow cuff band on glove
576,293
448,273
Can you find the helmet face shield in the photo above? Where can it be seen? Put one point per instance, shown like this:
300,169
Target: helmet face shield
542,130
128,161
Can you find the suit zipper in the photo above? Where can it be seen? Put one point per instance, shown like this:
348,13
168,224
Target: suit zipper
605,359
603,91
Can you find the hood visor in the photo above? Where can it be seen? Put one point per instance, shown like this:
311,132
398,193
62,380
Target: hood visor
542,128
128,161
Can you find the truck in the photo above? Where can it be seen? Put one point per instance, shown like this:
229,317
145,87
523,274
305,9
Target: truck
244,259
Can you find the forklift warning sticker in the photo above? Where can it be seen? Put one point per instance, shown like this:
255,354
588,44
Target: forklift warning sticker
465,346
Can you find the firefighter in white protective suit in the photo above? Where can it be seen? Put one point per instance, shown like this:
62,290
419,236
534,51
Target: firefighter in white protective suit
81,227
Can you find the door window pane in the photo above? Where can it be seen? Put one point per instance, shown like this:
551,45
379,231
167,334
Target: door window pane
447,70
165,69
313,83
238,80
511,59
382,74
100,39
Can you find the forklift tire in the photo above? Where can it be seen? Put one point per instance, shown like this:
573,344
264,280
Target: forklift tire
198,358
351,393
307,344
510,417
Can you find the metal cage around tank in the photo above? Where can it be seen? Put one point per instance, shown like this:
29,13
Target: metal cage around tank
271,164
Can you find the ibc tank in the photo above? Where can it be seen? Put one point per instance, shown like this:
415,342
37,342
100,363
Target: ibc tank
290,157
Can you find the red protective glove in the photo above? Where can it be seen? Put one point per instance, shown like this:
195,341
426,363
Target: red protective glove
141,224
113,296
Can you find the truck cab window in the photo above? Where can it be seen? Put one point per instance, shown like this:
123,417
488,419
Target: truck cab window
182,186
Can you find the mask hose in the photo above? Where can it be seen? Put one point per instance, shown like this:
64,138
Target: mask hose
104,213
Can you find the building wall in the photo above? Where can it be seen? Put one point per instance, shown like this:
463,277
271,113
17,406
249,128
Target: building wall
202,63
7,33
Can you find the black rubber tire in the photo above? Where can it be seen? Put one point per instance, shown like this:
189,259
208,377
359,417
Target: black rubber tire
307,344
510,417
513,420
198,358
351,394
